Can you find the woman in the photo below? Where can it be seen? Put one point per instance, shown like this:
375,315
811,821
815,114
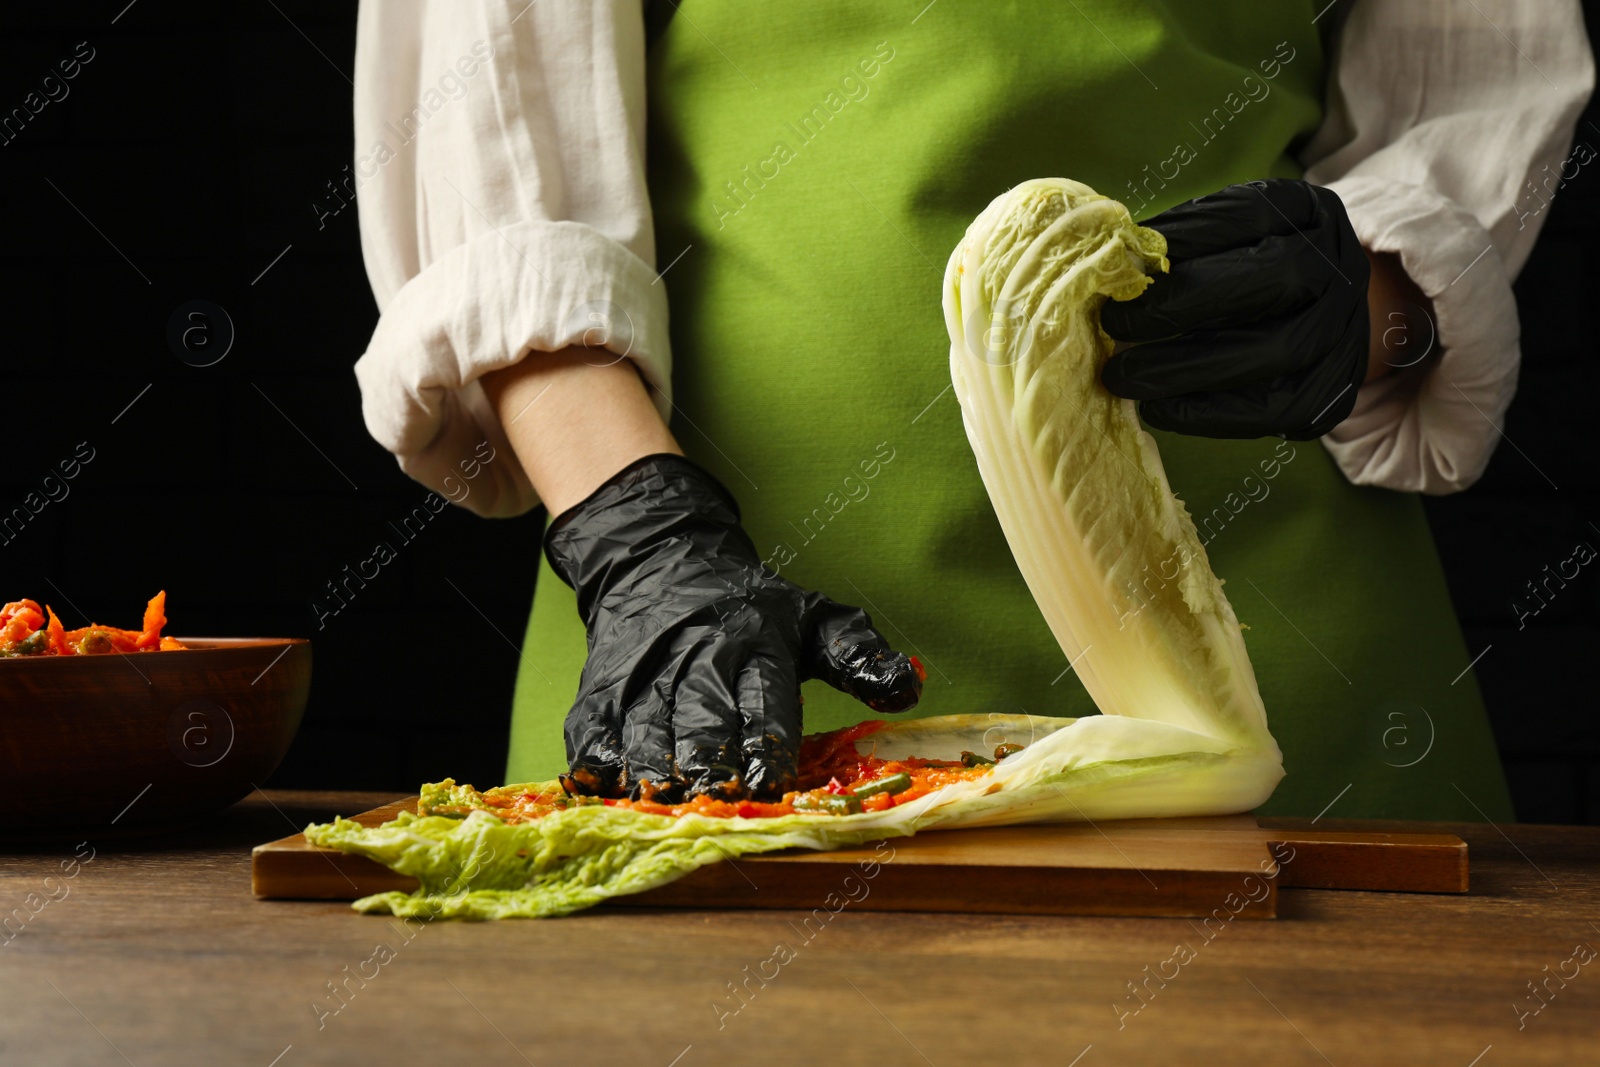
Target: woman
808,169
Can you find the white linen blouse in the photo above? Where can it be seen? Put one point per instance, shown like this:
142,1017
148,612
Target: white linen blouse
500,174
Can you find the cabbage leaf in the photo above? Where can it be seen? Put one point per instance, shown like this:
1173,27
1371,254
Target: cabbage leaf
1109,553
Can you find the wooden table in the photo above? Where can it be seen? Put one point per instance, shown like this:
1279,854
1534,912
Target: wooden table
154,952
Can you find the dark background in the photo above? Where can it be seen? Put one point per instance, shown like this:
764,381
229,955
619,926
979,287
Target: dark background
196,142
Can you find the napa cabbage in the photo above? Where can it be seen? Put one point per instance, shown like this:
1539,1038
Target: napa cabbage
1109,554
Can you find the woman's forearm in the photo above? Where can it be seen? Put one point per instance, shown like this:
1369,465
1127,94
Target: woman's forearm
1401,329
575,418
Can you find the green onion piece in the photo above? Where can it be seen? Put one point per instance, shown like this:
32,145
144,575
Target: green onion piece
972,759
895,783
1007,749
828,804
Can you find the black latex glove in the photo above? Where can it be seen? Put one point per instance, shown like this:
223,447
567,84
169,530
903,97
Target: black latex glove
1261,325
696,651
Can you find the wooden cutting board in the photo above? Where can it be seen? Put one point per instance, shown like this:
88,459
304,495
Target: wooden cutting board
1224,866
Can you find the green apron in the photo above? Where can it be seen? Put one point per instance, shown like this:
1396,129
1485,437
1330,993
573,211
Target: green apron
814,164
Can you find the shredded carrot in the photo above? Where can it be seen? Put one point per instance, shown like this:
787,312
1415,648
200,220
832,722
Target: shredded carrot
830,766
154,620
58,635
22,620
16,606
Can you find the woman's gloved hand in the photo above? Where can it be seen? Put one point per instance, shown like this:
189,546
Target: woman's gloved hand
696,651
1260,328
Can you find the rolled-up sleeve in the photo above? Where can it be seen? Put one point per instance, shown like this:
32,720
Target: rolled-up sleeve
501,188
1448,131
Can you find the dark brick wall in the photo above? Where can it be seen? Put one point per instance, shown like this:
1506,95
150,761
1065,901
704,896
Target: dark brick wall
196,141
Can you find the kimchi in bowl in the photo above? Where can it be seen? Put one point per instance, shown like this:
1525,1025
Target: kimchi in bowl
131,741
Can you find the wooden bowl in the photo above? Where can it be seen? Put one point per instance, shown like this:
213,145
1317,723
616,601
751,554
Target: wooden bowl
96,746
